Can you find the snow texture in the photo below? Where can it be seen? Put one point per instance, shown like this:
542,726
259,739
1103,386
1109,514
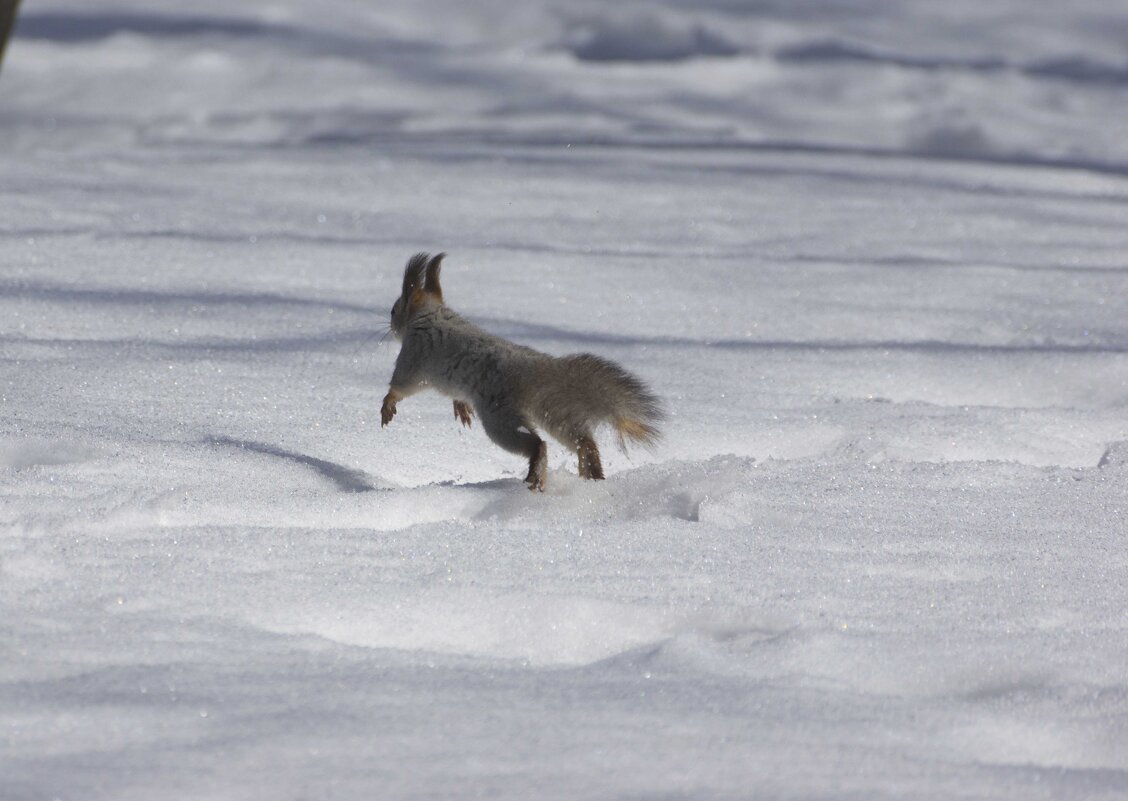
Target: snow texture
871,255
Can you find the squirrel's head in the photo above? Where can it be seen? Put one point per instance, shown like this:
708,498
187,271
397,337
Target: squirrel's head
421,290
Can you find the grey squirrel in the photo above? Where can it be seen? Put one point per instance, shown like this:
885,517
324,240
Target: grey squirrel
513,389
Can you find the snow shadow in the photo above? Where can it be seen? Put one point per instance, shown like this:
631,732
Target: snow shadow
62,293
81,27
524,331
645,38
87,27
1072,68
347,479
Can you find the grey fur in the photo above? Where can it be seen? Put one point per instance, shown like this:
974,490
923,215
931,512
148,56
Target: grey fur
515,390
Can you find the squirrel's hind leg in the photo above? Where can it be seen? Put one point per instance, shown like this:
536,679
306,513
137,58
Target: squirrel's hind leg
538,467
509,431
590,465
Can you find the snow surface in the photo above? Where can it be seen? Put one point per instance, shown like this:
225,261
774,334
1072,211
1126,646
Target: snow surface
872,255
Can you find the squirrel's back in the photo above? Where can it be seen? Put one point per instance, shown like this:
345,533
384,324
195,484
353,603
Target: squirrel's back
464,361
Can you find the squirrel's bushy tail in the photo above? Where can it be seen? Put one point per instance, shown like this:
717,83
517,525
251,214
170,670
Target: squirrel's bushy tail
615,396
644,433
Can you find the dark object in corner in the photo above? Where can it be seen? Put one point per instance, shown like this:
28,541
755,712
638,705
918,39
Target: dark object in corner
7,22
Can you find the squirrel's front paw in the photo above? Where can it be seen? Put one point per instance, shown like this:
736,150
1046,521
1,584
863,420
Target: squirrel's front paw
388,410
463,413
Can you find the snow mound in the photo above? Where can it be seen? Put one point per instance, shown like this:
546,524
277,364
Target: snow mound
680,490
468,621
16,454
1115,457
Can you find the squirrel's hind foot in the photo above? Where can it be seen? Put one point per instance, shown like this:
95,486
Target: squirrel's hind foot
590,465
538,467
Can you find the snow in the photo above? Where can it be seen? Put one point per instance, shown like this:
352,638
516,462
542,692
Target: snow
871,258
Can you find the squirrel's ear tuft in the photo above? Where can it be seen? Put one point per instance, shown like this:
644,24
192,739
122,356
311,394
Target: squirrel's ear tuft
413,273
421,281
431,285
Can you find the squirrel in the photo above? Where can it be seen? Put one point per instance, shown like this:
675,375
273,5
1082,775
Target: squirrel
513,389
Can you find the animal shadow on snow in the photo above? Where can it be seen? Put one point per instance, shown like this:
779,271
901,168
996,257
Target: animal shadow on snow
347,479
